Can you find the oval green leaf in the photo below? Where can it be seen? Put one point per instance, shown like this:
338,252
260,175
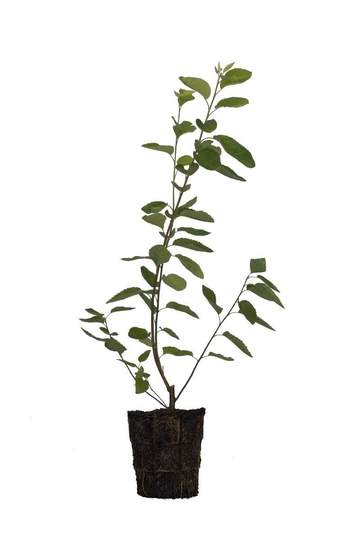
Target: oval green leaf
149,276
183,308
159,254
247,309
232,102
159,147
227,171
155,219
199,85
235,76
208,158
190,265
191,244
264,291
176,352
258,265
218,355
138,333
175,282
236,150
238,342
211,298
199,215
126,293
194,232
154,206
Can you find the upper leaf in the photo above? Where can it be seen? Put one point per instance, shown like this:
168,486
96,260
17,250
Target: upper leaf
238,342
114,345
154,206
176,352
200,215
183,308
211,298
189,243
160,147
258,265
208,158
199,85
159,254
227,171
155,219
126,293
184,96
248,310
144,356
209,126
236,150
191,265
175,282
235,76
232,102
218,355
138,333
264,291
170,332
183,127
268,282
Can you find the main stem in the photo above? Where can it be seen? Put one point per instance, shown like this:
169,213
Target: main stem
155,297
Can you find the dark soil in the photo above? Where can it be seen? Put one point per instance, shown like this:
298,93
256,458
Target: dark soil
166,448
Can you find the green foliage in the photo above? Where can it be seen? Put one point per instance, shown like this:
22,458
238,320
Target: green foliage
191,265
176,352
218,355
170,333
236,150
183,127
235,76
248,310
232,102
126,293
199,85
191,244
159,147
211,298
238,342
138,333
155,219
183,308
194,232
159,254
207,154
264,291
175,282
199,215
258,265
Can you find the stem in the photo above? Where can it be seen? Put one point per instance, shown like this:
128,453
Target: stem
155,297
214,334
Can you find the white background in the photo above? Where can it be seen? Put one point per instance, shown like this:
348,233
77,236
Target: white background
83,85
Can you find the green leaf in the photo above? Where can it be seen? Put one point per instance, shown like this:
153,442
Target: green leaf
236,150
184,96
147,301
235,76
149,276
154,206
159,254
199,85
175,282
114,345
159,147
137,257
176,352
94,319
183,127
232,102
211,298
141,384
264,323
120,308
208,158
238,342
228,66
195,232
218,355
170,332
227,171
126,293
146,341
155,219
94,312
183,308
185,160
144,356
189,171
258,265
130,364
209,126
191,265
191,244
199,215
188,204
248,310
92,335
268,282
138,333
264,291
